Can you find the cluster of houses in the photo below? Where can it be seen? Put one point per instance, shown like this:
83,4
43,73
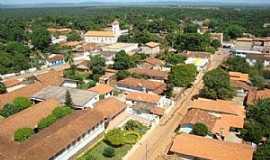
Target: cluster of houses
224,119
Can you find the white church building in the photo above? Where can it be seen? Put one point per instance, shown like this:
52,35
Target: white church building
109,35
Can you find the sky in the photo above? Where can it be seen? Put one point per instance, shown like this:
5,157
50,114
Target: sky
78,1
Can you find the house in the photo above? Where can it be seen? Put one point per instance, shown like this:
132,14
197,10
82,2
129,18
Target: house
217,36
41,81
141,85
150,98
252,57
60,141
154,74
219,106
55,59
58,39
80,98
244,43
189,147
70,83
153,63
106,78
199,59
241,82
110,108
13,84
71,44
151,48
108,36
256,95
223,126
60,30
129,48
102,89
83,66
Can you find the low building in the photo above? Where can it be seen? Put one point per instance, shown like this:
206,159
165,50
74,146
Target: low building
252,57
154,74
241,82
106,78
189,147
59,39
13,84
129,48
217,36
203,29
151,48
81,98
256,95
60,30
200,63
153,63
149,98
55,59
70,83
83,66
71,44
141,85
102,89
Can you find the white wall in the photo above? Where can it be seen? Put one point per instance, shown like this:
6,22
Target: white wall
68,153
92,102
103,40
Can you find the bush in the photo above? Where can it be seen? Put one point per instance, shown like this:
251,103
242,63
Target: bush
60,112
199,129
46,122
22,134
3,88
132,125
22,102
115,137
122,75
131,137
8,110
109,152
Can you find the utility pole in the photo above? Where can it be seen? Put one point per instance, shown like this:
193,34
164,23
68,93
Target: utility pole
146,150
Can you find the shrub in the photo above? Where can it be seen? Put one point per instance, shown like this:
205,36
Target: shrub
122,74
68,99
109,152
46,122
131,137
8,110
3,88
199,129
60,112
115,137
22,102
132,125
22,134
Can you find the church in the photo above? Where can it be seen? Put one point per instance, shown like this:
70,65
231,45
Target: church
109,35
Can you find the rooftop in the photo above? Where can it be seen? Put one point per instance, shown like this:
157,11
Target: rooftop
99,34
154,61
101,89
55,57
79,97
152,44
211,149
152,73
238,76
11,82
256,95
143,97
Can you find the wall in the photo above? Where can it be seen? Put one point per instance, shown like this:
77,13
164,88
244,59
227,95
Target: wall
104,40
92,102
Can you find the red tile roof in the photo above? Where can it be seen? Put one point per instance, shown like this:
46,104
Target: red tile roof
152,73
101,89
143,97
256,95
11,82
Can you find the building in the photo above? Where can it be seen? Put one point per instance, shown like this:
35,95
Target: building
60,30
153,63
13,84
141,85
203,29
71,44
154,74
129,48
81,98
191,147
241,82
70,83
59,39
102,89
252,57
151,48
200,63
149,98
217,36
256,95
107,36
55,59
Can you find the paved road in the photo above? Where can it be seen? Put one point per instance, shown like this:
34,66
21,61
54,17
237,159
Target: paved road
158,140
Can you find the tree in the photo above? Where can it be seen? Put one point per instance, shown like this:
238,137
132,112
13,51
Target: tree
22,102
132,125
217,85
68,99
262,152
200,129
8,110
41,38
257,81
46,122
69,58
115,137
3,88
23,134
191,28
73,36
122,75
97,65
237,64
215,43
183,75
122,61
233,31
60,112
173,59
109,152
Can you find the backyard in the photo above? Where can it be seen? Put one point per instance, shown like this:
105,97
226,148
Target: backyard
117,142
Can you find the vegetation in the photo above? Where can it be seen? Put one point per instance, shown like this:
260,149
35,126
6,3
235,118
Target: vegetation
97,65
3,88
200,129
123,61
19,103
58,112
217,85
23,134
183,75
73,36
109,152
122,74
41,38
173,59
68,99
115,137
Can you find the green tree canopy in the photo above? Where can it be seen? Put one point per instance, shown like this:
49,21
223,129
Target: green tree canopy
217,85
41,38
183,75
3,88
122,61
237,64
122,74
68,99
23,134
109,152
115,137
97,64
233,31
199,129
73,36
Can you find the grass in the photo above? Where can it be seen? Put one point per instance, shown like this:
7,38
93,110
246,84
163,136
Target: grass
99,148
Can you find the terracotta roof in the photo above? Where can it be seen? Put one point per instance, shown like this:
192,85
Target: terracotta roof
87,47
26,118
84,65
194,54
194,116
241,84
219,106
205,148
99,34
154,61
256,95
143,97
237,76
55,57
110,107
157,111
152,73
71,43
52,140
101,89
60,30
152,44
11,82
139,84
44,80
